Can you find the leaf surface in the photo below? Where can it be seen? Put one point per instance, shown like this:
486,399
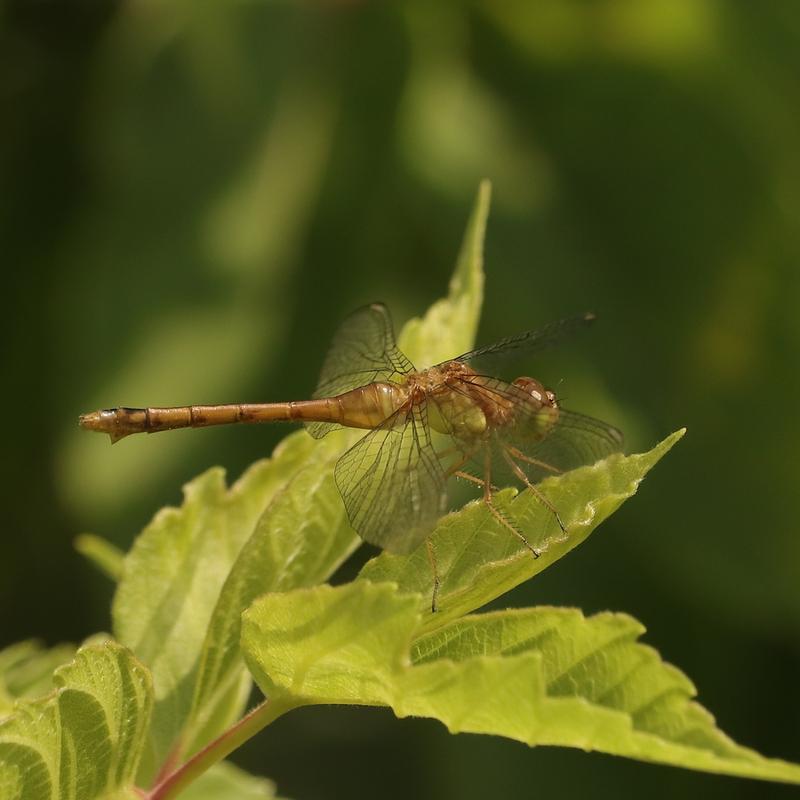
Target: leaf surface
540,676
479,559
83,740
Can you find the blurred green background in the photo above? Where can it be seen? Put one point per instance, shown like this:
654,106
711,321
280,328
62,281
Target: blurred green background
194,194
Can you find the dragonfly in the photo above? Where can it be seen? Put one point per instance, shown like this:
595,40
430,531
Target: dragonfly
454,419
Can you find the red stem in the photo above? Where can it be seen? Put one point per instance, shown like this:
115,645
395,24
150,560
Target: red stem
215,751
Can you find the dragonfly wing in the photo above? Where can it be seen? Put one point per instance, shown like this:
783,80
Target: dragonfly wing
392,483
491,359
362,351
546,441
575,440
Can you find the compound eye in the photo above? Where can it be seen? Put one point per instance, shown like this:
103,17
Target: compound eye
551,397
532,387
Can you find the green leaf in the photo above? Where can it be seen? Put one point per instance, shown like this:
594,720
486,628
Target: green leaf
104,555
84,740
449,327
330,645
225,781
478,559
300,541
173,575
26,670
540,676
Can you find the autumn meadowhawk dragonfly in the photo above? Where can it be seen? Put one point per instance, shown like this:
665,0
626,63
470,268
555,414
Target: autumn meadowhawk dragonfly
452,419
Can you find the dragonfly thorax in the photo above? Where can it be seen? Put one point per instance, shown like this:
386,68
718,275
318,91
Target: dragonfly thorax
456,409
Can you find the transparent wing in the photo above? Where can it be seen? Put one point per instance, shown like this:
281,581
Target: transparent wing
490,359
575,440
362,351
541,441
392,483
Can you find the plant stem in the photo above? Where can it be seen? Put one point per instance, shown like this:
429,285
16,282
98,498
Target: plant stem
215,751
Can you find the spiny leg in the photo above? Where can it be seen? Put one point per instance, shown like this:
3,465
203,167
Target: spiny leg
516,453
435,572
472,479
455,471
520,473
495,512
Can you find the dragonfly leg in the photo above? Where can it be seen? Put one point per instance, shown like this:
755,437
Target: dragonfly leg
520,473
516,453
497,514
471,478
435,572
506,523
456,472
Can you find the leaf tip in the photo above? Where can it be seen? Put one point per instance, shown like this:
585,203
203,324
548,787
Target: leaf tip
673,439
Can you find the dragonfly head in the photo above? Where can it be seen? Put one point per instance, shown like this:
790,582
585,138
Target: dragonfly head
543,396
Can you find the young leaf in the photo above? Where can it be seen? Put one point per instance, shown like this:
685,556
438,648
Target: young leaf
173,575
449,327
478,559
541,676
83,740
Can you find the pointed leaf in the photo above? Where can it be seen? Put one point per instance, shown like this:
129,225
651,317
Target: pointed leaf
85,739
541,676
478,559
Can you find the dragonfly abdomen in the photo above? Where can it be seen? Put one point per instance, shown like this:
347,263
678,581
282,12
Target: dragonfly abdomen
121,422
366,407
